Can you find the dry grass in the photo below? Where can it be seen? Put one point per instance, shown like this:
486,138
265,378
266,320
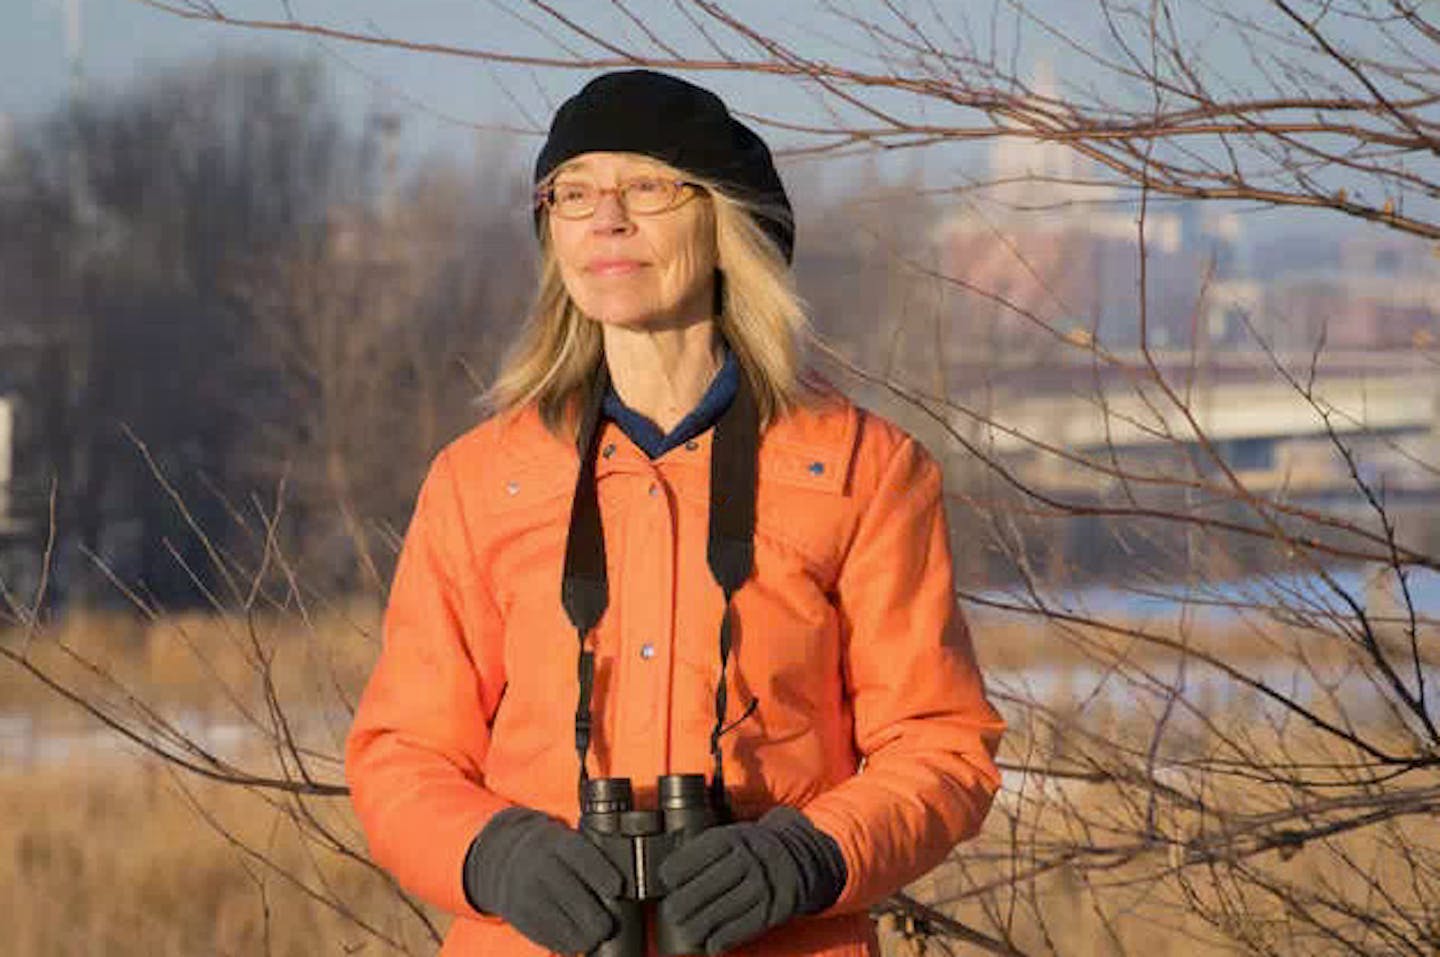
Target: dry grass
211,666
1006,642
102,849
208,663
1147,903
108,857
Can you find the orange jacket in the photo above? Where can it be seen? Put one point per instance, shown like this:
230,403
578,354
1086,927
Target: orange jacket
871,719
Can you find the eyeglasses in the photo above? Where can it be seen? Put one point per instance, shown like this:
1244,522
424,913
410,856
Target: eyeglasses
643,196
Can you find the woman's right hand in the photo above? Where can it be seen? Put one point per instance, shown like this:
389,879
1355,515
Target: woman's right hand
545,879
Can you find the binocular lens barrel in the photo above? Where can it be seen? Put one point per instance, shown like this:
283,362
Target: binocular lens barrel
681,791
637,842
607,796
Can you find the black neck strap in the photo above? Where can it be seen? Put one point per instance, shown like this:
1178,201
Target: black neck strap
730,551
584,590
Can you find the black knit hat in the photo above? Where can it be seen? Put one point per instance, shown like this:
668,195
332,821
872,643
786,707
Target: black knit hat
679,123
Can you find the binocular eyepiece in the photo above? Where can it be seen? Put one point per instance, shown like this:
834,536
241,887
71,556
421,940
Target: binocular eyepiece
637,843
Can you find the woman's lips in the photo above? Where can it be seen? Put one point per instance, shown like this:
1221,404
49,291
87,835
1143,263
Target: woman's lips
614,267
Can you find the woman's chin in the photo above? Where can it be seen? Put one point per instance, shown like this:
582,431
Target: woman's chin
633,317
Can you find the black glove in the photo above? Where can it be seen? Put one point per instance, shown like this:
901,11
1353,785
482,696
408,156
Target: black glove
730,884
545,879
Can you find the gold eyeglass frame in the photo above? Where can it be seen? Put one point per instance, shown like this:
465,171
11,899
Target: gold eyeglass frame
545,196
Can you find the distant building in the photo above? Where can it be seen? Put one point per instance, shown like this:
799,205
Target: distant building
1047,240
1377,289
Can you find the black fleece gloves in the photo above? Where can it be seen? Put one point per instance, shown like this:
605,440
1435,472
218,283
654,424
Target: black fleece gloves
733,883
545,879
726,886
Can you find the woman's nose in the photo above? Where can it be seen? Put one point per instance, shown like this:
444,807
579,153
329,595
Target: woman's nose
610,215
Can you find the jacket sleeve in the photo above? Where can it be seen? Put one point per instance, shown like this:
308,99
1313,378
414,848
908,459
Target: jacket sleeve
921,721
415,756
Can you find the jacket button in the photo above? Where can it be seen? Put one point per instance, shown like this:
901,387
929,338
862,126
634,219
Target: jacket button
691,446
608,450
512,487
654,490
647,651
817,468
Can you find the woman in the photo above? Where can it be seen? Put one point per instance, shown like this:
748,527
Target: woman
751,573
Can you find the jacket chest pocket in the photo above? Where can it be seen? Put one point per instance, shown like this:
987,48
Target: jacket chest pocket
786,632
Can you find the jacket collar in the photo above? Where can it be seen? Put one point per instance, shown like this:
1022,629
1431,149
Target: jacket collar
809,447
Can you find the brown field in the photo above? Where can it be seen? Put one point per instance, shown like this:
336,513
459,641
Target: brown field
209,664
107,850
110,857
212,666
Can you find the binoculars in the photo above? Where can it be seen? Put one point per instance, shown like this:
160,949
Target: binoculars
637,843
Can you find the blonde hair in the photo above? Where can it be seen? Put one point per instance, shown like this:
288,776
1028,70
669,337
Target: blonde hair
759,313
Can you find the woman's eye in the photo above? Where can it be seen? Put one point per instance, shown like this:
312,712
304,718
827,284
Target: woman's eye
571,193
646,185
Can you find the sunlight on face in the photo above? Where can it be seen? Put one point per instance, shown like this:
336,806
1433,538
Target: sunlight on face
654,270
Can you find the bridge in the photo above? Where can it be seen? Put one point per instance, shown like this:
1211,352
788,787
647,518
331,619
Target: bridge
1384,408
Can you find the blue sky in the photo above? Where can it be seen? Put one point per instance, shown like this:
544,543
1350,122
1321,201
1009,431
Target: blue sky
441,98
123,40
447,103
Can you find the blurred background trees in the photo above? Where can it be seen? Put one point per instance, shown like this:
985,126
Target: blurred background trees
210,279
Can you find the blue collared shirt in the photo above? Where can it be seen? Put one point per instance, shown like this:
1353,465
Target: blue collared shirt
713,404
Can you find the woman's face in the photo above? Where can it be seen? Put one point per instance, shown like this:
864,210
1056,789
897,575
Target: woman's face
654,270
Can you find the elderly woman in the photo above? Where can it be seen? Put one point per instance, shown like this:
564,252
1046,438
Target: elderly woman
670,551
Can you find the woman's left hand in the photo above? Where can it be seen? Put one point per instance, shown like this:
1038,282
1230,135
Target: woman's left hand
732,883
